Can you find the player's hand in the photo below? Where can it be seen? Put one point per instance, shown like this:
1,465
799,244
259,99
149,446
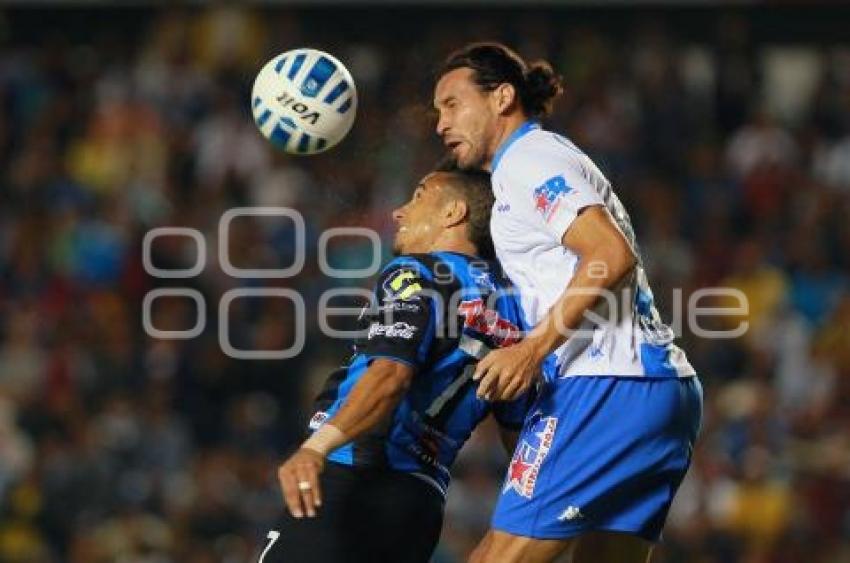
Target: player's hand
507,373
299,481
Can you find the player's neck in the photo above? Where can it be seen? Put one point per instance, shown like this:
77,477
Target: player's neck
509,124
454,244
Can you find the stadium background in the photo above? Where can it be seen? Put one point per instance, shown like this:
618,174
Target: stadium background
725,131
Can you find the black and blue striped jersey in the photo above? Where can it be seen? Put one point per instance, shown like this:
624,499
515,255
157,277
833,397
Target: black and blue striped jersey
438,312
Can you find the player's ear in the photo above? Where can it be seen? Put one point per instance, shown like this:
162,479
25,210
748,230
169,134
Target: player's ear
503,98
455,212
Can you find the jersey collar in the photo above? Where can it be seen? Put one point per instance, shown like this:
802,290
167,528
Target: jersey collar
512,138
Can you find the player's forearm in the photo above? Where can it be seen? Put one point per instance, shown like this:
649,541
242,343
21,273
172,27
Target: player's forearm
372,400
597,272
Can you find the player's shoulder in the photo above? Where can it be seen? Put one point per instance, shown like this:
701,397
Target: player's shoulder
432,263
536,156
405,277
421,265
442,270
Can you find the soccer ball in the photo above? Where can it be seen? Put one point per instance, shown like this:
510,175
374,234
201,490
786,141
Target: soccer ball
304,101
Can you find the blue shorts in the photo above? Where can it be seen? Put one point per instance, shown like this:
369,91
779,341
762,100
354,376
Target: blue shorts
600,454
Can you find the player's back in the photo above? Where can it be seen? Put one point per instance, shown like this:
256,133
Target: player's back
437,312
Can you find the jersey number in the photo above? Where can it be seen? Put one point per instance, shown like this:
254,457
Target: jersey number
272,536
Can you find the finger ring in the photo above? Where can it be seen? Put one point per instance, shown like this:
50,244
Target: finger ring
304,486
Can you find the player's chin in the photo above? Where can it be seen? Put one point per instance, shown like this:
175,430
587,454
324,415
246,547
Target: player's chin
398,246
461,164
467,160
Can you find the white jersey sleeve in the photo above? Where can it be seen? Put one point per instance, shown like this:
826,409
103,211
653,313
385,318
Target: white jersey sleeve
555,183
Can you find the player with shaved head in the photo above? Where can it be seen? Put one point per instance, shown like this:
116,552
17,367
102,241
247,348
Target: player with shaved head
369,484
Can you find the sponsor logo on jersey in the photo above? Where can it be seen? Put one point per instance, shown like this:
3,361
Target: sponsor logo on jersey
487,322
529,455
404,284
395,330
318,420
484,279
503,207
396,306
548,196
596,352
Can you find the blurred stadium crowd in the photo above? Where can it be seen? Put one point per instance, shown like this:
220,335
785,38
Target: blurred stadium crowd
731,150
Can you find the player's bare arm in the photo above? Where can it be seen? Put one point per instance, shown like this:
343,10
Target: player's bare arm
606,257
372,400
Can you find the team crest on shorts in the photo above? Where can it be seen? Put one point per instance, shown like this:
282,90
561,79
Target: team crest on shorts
529,456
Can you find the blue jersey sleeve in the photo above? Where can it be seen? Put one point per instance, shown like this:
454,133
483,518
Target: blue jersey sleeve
401,325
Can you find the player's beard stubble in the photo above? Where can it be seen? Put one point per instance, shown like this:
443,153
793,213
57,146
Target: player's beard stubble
410,240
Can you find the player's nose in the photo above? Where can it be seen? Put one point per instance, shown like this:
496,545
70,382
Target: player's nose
442,126
398,213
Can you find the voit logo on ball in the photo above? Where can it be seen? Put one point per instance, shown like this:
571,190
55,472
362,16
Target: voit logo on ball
304,101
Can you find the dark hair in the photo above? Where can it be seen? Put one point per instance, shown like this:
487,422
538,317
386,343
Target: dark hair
474,187
537,85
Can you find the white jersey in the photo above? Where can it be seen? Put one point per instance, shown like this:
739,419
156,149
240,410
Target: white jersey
541,181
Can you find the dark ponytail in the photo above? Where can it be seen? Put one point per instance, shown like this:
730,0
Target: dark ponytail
542,86
537,85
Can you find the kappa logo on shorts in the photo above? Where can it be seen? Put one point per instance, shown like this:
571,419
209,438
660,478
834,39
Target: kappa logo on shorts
571,513
529,456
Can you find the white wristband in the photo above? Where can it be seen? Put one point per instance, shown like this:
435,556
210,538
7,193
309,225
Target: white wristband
325,440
